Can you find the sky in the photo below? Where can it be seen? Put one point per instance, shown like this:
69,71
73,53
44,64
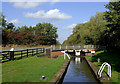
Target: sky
63,15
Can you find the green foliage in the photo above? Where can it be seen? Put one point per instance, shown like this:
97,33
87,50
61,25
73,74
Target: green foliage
41,34
113,31
89,32
102,29
48,32
58,43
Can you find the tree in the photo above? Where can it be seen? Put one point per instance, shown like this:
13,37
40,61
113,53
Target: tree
89,32
113,17
41,34
10,26
47,31
7,31
24,37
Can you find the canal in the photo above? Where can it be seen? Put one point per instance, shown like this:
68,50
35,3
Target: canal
79,72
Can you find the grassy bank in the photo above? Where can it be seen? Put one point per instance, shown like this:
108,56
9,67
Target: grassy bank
113,59
30,69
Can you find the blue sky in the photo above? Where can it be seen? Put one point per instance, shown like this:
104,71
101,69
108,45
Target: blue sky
64,15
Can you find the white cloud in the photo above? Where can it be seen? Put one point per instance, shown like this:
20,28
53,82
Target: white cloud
54,14
70,26
85,21
54,1
25,4
30,3
15,21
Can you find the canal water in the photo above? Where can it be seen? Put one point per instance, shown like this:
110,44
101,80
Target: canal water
79,72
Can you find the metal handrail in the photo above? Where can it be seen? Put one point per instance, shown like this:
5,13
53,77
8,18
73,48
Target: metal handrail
65,54
102,68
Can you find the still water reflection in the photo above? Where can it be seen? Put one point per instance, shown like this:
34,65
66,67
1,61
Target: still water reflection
78,71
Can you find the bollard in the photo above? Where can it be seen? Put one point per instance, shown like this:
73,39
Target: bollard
12,54
98,61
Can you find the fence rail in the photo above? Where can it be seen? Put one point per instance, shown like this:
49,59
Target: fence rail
17,54
59,47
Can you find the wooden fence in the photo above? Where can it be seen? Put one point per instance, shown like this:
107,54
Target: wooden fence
18,54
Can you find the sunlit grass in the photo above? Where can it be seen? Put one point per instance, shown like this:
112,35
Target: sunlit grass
98,52
31,69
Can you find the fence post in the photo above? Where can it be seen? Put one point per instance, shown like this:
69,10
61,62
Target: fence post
11,55
43,50
36,50
32,52
27,52
21,54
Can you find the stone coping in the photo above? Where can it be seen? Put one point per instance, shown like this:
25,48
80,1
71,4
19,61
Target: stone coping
58,77
95,69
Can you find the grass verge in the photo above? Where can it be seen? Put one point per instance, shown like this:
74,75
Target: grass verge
30,69
113,59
